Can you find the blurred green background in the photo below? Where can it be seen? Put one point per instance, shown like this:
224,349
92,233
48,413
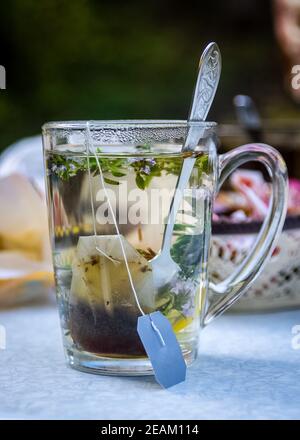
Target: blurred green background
89,59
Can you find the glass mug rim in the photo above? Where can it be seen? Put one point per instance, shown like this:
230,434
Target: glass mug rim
128,123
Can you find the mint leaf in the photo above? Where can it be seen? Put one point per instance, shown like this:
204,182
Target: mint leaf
110,181
140,182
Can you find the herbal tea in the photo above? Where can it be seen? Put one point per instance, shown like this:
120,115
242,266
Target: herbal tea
97,306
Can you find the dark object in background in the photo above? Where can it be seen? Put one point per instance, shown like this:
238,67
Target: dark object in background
248,117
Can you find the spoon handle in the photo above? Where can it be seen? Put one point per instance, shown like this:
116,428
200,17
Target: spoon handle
209,73
182,182
207,82
210,65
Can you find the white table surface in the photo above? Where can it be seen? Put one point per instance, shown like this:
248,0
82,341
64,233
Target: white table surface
247,369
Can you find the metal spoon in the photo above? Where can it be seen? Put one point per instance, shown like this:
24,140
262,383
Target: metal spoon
163,266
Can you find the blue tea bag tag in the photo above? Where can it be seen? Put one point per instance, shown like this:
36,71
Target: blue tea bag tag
162,348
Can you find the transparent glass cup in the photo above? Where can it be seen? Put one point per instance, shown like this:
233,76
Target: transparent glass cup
130,222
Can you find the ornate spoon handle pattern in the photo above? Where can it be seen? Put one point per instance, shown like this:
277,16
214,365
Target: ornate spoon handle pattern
207,83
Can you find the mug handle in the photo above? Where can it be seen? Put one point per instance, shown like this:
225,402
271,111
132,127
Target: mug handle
227,292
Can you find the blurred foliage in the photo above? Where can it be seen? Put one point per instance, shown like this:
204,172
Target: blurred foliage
89,59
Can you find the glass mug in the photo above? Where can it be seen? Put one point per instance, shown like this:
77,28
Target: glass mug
110,189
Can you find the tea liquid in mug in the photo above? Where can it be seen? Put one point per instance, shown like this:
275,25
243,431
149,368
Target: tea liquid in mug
97,306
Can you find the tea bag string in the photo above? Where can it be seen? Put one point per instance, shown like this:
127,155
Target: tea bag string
93,209
90,144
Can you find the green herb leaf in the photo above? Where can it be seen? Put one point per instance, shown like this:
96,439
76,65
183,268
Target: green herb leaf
117,174
140,182
110,181
146,168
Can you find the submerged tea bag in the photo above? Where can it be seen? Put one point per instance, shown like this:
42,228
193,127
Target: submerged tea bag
113,297
103,308
100,275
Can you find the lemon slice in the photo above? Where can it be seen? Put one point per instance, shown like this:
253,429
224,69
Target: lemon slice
178,320
181,324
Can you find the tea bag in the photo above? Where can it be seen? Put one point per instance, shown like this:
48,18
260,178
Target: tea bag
111,285
162,349
115,280
100,276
